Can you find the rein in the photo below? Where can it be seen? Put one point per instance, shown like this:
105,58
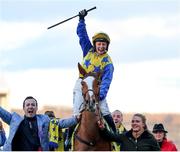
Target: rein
91,143
87,107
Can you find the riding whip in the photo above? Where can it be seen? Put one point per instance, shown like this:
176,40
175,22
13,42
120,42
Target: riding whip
70,18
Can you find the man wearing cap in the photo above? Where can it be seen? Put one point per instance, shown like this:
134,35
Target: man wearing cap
95,59
160,135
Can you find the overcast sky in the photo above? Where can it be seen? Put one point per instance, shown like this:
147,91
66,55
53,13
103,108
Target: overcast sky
144,47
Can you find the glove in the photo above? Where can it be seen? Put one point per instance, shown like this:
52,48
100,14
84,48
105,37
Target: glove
82,14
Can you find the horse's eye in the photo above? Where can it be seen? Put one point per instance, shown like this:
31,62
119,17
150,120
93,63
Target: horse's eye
82,83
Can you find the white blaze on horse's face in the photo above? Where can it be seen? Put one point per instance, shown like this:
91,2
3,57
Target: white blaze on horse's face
89,82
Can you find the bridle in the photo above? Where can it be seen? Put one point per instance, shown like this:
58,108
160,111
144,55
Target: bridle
90,103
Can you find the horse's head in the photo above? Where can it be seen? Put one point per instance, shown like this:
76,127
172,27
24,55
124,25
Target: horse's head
87,136
90,88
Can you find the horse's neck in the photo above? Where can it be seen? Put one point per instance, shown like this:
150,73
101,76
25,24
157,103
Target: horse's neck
89,131
89,121
88,117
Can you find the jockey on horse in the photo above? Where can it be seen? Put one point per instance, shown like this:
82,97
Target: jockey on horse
95,59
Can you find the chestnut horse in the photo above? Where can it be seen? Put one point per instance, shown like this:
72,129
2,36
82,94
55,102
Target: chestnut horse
87,136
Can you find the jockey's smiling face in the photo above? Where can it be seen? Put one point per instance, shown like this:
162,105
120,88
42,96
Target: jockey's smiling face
30,107
101,47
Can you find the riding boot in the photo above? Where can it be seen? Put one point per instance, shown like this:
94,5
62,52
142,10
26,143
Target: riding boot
110,122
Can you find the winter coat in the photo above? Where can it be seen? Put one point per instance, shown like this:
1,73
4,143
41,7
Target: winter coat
168,145
146,142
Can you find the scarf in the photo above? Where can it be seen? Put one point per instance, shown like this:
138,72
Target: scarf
56,141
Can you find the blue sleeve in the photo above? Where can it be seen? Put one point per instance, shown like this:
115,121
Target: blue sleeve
106,80
83,37
65,123
2,137
5,115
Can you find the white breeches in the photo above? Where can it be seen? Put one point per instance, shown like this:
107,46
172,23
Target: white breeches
78,100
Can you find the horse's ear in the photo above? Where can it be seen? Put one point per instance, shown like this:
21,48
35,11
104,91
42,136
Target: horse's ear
81,70
99,74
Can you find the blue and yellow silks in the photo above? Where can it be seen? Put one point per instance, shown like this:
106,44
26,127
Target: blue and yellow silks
93,62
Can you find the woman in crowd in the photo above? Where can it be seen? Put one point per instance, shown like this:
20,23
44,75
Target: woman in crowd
160,135
138,138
